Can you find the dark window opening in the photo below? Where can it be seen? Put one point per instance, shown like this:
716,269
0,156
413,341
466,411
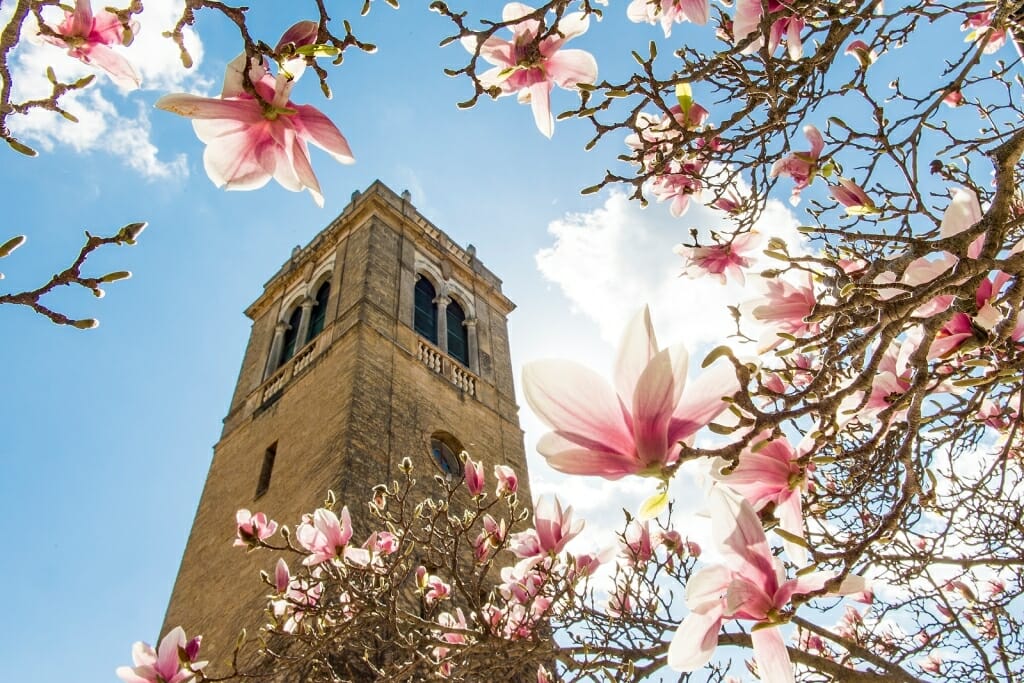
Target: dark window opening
445,449
316,324
291,335
458,335
268,468
425,316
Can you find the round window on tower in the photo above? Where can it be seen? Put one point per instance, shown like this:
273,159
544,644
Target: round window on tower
445,449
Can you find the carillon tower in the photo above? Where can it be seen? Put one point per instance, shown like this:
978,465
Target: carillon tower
381,339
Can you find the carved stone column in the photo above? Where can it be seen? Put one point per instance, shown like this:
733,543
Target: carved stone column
442,302
307,309
274,359
474,362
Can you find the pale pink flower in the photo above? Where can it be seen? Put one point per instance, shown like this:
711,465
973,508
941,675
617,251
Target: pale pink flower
632,429
668,12
639,542
802,167
173,662
860,51
679,183
253,528
542,675
474,477
436,590
853,197
963,213
508,481
248,143
324,535
530,65
553,528
750,585
980,27
785,310
748,21
88,37
725,260
297,597
932,663
769,473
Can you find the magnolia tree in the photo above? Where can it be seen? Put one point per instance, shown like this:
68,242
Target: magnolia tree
860,429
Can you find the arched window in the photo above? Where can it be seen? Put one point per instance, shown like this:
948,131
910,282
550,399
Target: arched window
425,316
291,335
458,335
445,449
319,315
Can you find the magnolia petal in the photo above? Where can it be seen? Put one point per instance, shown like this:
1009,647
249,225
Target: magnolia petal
653,401
773,664
240,161
737,530
696,639
707,586
313,125
167,653
304,170
746,21
120,69
573,24
233,81
636,349
567,68
196,107
802,585
697,11
571,458
576,402
540,103
791,519
817,142
963,212
701,401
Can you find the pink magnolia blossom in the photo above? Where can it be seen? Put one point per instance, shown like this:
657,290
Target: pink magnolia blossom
750,585
248,143
785,310
88,37
530,65
981,29
769,473
963,213
748,21
253,528
853,197
668,12
802,167
723,260
173,662
474,477
553,528
860,51
296,597
324,535
508,481
682,181
634,428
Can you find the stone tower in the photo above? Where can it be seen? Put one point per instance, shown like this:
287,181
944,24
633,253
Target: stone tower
381,339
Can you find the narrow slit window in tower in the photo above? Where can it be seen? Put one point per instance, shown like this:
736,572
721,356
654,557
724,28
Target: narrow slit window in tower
268,468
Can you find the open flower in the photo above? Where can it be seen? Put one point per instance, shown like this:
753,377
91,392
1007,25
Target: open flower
553,528
88,37
249,142
634,428
324,535
748,21
253,528
853,197
750,585
668,12
531,65
173,662
802,167
724,260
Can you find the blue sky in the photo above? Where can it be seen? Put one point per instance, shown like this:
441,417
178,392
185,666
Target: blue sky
107,434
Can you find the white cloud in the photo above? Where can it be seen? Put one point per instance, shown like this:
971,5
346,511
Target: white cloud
121,129
611,261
